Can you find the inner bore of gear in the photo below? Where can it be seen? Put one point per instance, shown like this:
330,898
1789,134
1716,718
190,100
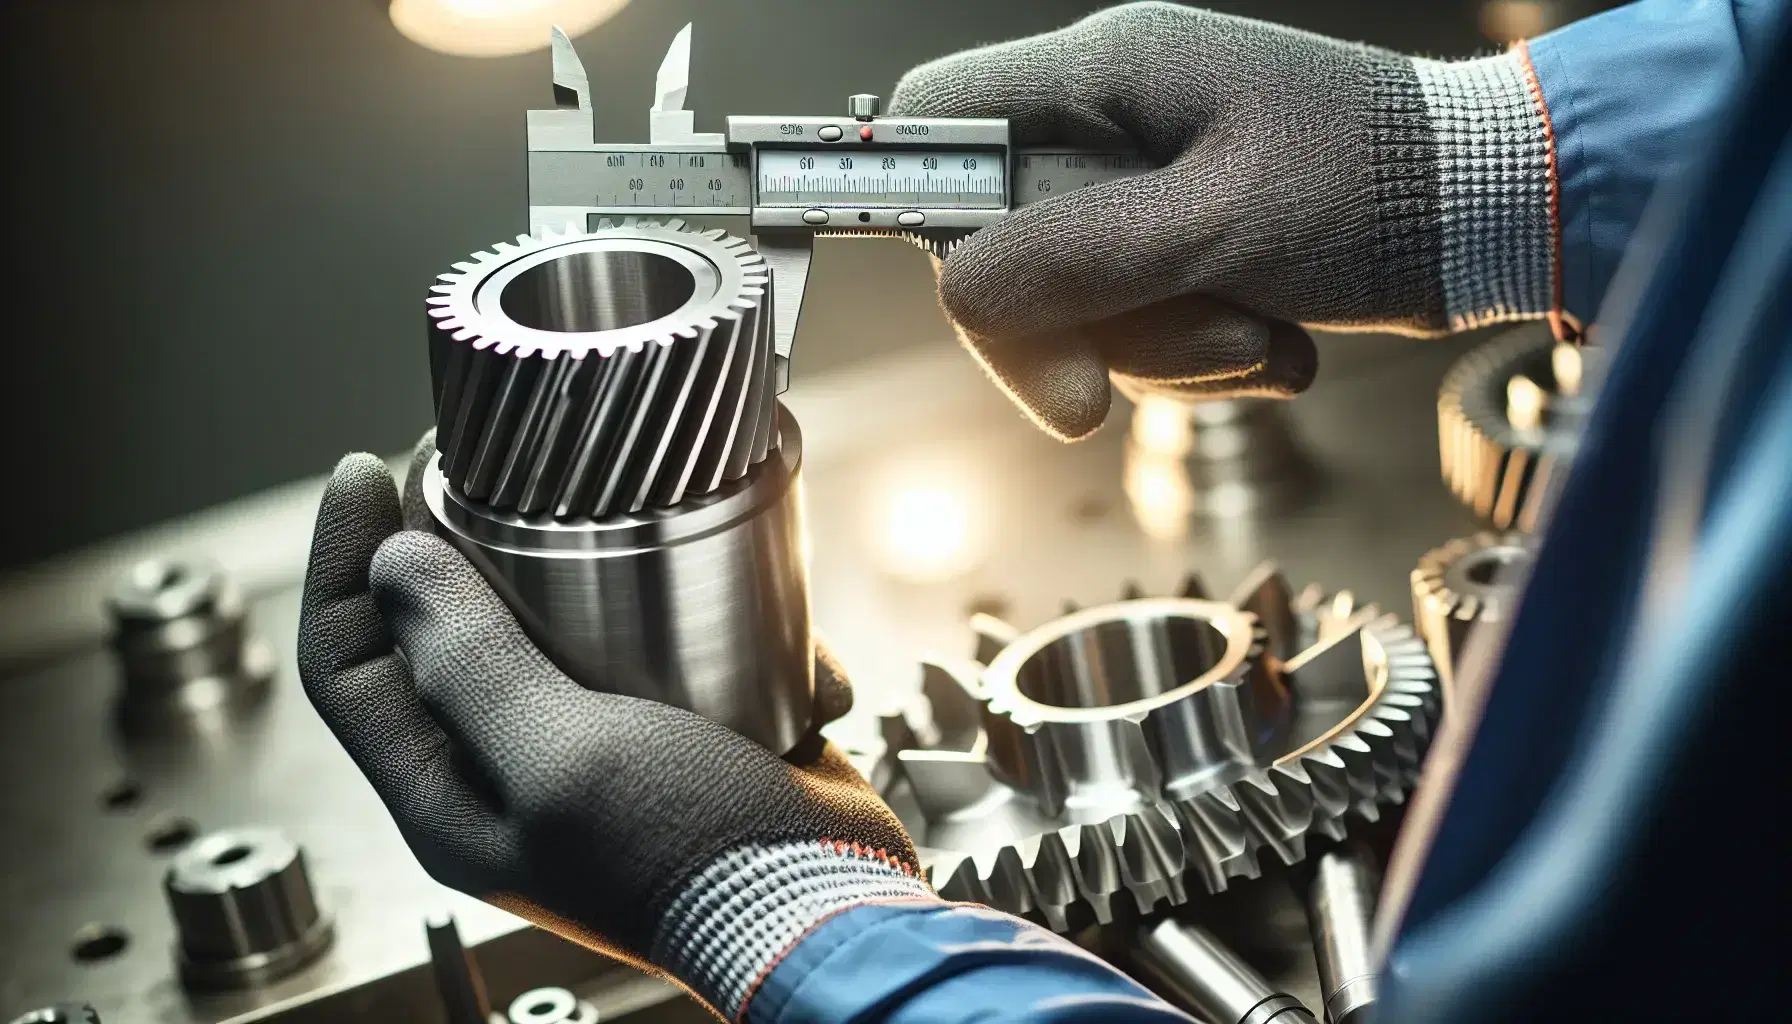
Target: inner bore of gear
597,291
1155,745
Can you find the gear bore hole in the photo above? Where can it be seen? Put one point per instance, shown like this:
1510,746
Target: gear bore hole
598,291
1486,567
169,834
122,795
96,942
1119,662
225,858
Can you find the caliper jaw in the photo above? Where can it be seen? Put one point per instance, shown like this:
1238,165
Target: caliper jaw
788,253
574,120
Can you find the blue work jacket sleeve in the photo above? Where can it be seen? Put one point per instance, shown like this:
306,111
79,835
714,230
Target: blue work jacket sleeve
1633,95
924,962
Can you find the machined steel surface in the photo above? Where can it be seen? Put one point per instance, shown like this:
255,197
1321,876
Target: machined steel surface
1341,913
1155,746
612,457
1187,964
1466,582
1068,528
705,607
244,909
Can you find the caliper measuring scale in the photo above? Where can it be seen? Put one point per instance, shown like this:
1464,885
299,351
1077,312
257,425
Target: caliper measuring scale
930,180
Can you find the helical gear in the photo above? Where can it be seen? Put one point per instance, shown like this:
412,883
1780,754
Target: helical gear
1156,746
1509,417
587,375
1470,580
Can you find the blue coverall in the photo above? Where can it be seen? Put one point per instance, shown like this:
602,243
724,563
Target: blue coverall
1633,96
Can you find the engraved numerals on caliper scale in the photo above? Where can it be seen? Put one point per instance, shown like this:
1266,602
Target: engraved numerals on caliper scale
932,181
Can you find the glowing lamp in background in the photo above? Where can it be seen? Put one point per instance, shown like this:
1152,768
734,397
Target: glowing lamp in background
495,28
925,520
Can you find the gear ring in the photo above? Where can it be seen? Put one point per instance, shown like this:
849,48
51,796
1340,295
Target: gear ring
583,376
1282,716
1508,421
1460,584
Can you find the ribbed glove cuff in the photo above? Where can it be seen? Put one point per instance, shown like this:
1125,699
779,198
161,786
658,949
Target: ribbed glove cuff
1495,190
738,917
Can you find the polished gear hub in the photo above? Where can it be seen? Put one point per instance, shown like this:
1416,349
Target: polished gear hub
1152,744
1509,417
591,375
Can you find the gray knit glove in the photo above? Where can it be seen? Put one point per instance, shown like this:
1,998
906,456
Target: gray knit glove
1305,181
633,827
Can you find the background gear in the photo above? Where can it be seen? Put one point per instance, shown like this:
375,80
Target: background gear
1508,421
1129,746
1468,581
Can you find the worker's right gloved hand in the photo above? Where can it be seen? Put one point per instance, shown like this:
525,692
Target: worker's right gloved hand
1304,180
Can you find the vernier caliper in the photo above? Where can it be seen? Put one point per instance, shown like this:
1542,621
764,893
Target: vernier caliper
932,180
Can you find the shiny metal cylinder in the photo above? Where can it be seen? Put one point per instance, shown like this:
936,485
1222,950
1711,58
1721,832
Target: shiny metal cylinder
704,605
550,1006
1197,970
1341,912
244,909
63,1013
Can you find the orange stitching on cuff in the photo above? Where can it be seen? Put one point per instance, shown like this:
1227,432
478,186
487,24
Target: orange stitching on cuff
863,852
1562,323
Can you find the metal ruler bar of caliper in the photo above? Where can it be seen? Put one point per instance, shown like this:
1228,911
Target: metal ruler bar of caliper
932,180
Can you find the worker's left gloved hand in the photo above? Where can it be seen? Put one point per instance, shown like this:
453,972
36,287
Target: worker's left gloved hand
634,827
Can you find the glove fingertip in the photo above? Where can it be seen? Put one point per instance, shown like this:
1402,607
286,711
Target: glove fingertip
833,693
1057,380
1292,363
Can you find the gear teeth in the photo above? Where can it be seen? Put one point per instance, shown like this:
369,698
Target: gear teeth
1492,465
1192,587
593,423
1278,808
1097,864
1331,789
992,635
1467,581
1151,857
1206,804
1053,874
1217,842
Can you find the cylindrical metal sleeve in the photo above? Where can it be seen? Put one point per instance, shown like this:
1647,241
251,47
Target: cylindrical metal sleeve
1341,911
704,606
1210,979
